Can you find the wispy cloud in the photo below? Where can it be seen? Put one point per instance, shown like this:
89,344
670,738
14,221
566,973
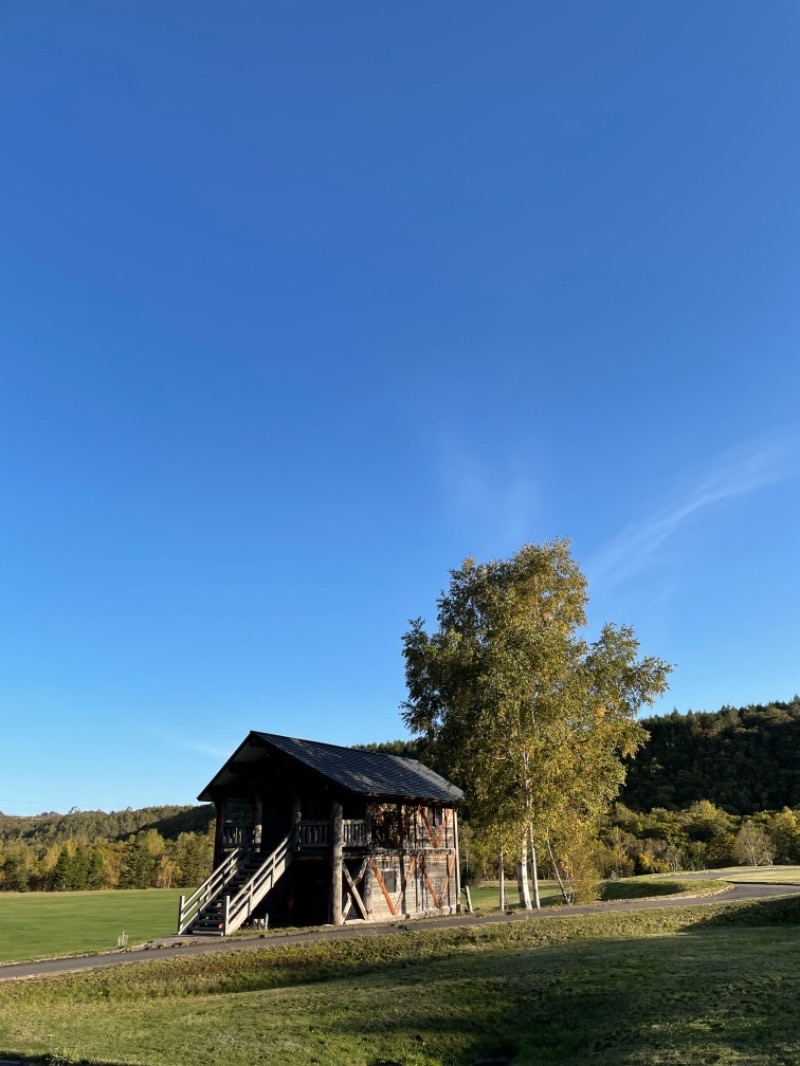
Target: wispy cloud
200,747
498,500
736,474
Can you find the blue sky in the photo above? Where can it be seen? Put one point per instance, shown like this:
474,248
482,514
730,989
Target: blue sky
303,304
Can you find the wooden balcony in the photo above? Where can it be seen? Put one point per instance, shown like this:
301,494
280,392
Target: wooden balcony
310,834
317,834
236,836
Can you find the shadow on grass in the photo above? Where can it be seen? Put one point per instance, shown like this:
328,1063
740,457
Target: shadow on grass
599,1002
615,890
608,1001
493,995
785,910
10,1058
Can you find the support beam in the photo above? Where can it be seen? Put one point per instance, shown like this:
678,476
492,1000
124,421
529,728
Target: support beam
258,821
337,862
352,883
221,804
458,861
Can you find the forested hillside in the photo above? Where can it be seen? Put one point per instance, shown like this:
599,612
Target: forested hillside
55,828
743,760
156,847
707,789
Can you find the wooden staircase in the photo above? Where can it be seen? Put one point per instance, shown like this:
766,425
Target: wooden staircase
233,891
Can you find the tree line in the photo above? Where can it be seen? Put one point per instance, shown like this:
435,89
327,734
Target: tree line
744,760
146,848
706,790
699,837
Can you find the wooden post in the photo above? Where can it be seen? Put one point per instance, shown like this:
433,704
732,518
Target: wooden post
402,865
337,861
297,814
458,861
258,821
221,805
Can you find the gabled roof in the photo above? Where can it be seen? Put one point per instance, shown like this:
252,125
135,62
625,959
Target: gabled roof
364,773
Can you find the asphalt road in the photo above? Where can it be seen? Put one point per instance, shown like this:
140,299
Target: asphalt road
171,949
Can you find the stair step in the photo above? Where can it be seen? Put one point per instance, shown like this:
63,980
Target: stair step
211,917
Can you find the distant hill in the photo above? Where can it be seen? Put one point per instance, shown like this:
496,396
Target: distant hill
744,760
45,829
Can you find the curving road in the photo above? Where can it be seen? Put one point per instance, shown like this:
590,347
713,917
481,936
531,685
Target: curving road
173,947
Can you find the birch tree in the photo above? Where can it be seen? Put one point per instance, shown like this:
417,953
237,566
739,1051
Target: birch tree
531,719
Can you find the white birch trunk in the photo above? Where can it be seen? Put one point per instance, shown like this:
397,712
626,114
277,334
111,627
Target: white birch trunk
567,895
502,880
537,902
522,879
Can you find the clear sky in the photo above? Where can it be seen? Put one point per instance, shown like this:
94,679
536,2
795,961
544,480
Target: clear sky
304,303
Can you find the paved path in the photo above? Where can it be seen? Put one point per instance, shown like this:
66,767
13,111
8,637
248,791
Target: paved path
174,948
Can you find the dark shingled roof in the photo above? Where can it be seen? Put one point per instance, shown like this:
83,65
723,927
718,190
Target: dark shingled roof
365,773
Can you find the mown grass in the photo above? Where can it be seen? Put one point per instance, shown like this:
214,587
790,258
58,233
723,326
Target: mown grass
780,875
715,984
40,924
648,886
485,897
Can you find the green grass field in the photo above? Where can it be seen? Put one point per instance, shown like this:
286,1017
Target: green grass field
700,985
780,875
485,897
40,924
36,925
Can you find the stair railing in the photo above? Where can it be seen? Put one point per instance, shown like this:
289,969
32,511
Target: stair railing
189,909
238,908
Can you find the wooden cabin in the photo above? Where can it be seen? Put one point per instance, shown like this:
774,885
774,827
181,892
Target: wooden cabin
310,833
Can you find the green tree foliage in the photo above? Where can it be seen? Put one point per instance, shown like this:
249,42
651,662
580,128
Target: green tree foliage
15,869
753,846
744,760
30,859
530,719
785,832
143,853
700,837
46,829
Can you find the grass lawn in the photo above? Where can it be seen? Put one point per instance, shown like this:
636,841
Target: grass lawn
701,985
485,896
781,875
39,924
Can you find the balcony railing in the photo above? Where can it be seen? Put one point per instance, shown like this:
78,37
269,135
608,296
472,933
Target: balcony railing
311,833
317,834
356,832
235,836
